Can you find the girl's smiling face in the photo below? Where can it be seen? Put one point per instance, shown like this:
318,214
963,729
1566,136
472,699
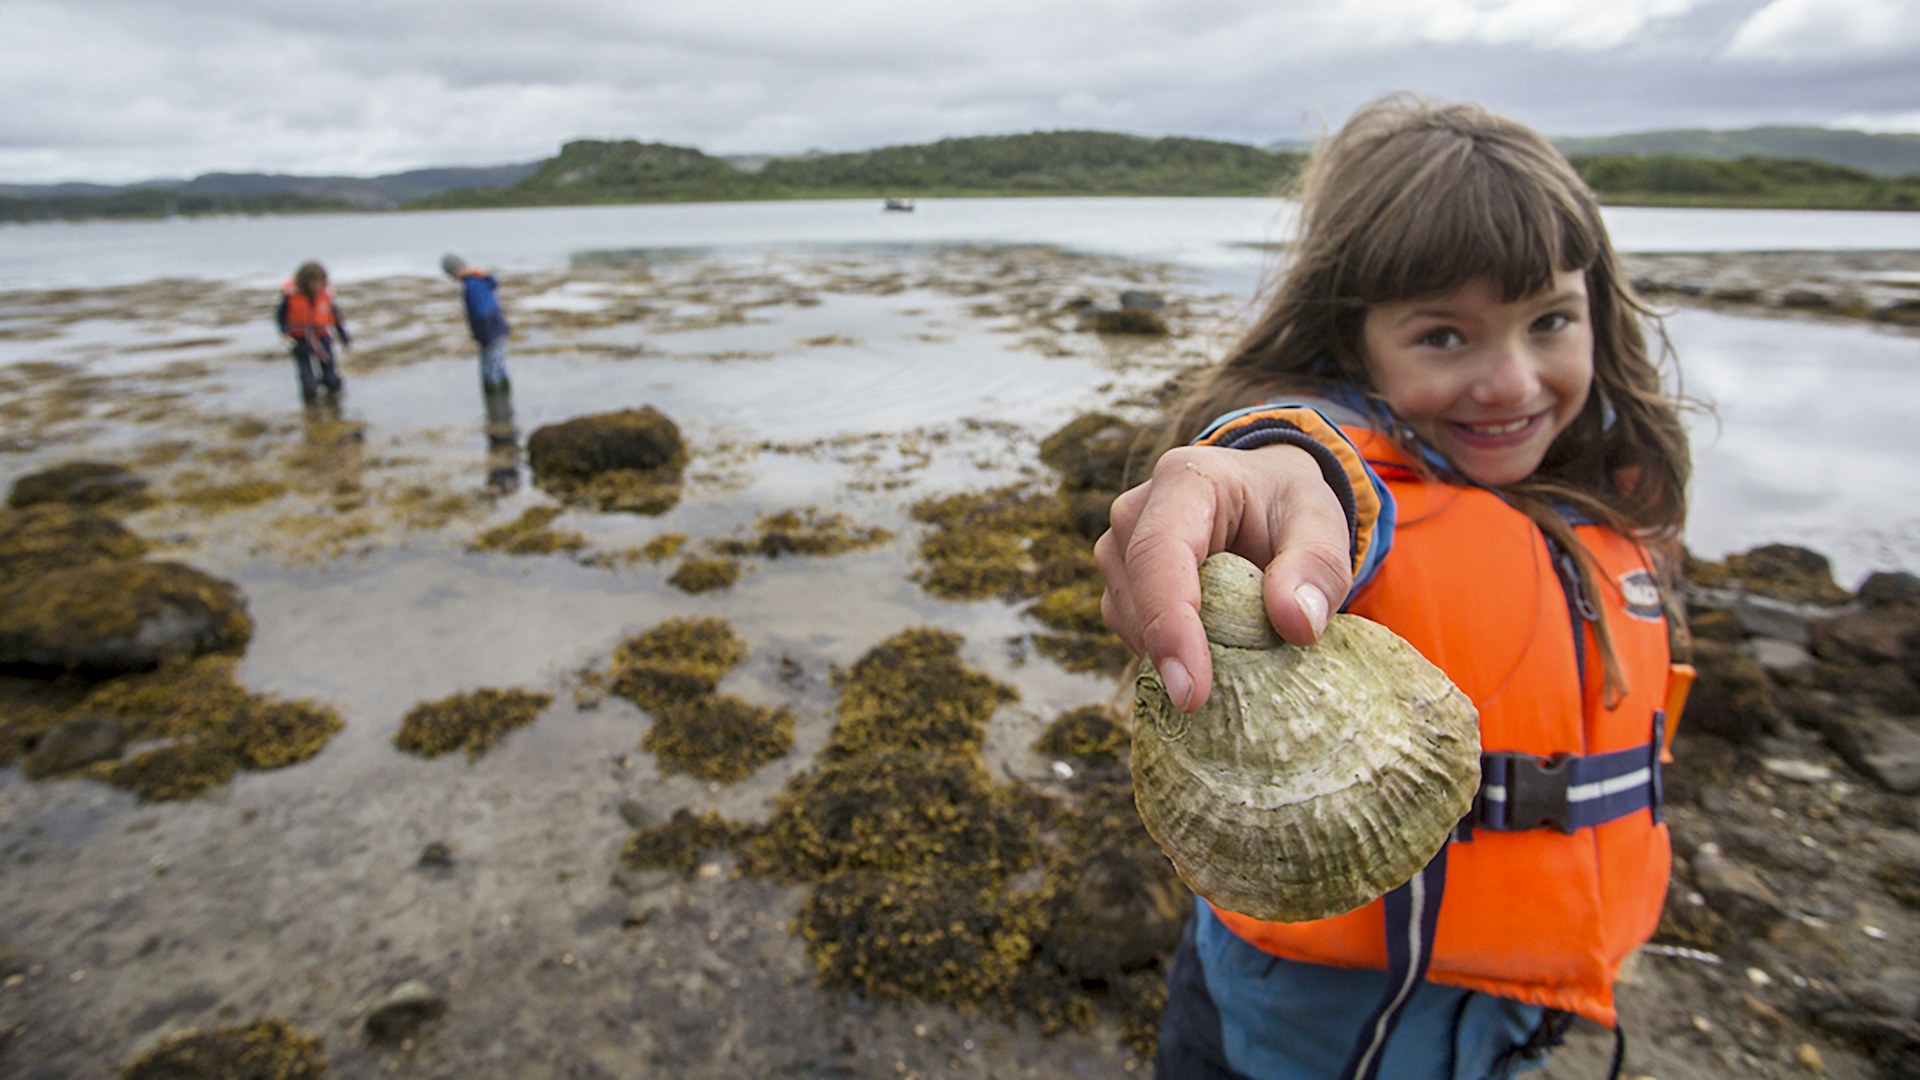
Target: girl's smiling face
1488,383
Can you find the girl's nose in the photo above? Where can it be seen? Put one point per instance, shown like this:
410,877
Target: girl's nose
1510,377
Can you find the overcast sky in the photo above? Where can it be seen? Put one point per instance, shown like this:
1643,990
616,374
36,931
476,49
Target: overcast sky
124,90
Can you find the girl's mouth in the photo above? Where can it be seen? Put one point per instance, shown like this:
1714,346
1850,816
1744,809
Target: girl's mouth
1497,432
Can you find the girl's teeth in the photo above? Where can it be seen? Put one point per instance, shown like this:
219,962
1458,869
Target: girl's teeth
1507,428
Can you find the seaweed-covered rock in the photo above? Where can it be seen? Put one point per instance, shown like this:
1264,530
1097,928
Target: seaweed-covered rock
86,482
1783,571
53,536
1098,452
266,1050
1144,322
109,617
577,450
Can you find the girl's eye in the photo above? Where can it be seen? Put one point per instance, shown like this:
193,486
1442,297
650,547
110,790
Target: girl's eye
1442,338
1547,324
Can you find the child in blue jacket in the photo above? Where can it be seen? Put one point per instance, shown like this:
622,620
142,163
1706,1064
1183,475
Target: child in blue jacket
479,290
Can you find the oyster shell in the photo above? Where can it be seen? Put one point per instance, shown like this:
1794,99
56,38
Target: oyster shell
1314,780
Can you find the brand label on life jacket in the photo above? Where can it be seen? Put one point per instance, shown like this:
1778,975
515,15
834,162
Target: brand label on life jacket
1642,596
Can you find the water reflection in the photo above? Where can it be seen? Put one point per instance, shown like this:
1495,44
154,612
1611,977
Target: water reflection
503,439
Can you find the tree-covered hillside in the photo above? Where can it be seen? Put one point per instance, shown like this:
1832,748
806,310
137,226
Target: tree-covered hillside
1680,180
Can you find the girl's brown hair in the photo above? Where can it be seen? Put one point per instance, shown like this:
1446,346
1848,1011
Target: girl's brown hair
310,278
1411,199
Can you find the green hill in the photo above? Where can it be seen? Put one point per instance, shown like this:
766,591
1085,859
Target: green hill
1042,163
1884,155
1682,180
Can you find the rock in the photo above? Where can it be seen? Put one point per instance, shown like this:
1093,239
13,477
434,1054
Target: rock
1877,635
1885,751
116,617
1782,571
411,1006
1126,910
74,743
1898,870
1884,588
1732,697
85,482
1098,452
642,440
1142,300
1089,513
1805,298
635,814
1736,893
1782,660
1138,321
435,856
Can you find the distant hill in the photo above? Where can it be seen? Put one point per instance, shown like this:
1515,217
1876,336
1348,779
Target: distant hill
365,192
1885,155
1041,163
1774,166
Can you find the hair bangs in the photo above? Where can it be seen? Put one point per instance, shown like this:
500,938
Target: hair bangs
1469,215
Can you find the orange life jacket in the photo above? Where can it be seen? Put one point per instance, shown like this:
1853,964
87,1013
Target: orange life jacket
309,313
1538,915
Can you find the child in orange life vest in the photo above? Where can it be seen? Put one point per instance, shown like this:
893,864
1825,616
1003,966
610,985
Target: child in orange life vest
307,317
1447,420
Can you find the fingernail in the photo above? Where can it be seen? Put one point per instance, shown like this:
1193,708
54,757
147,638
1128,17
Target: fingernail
1313,604
1179,684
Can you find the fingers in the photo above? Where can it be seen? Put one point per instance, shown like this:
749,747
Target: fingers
1271,506
1311,571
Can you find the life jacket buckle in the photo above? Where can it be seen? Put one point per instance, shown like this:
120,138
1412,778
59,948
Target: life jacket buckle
1537,792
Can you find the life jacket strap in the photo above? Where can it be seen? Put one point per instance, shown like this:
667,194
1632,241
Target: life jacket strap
1413,921
1567,792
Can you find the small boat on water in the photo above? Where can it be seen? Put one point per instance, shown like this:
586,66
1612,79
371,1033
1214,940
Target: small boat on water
898,204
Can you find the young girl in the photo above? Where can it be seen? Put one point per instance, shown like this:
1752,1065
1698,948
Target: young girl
307,317
1446,420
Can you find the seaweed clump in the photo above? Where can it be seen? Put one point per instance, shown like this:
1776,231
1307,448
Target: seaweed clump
677,843
475,721
804,532
1020,544
913,691
1088,733
209,728
966,939
530,534
54,536
676,660
699,574
671,671
264,1050
719,736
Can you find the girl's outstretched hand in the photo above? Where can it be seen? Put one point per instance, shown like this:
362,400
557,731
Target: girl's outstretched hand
1270,506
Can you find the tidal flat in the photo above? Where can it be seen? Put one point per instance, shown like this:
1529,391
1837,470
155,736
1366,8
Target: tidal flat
579,896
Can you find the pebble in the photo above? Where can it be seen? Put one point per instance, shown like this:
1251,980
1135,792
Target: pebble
1874,932
1809,1058
1758,977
